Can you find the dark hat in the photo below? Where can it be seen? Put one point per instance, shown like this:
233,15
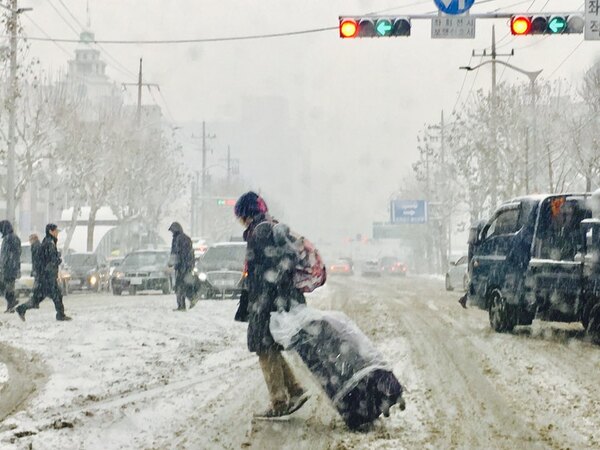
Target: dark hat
249,205
51,227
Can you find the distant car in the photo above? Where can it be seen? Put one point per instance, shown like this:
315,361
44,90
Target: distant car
24,284
371,268
457,275
200,246
391,265
143,270
64,278
221,270
340,267
89,271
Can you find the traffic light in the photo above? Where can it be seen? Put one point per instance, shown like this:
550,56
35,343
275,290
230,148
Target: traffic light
226,202
352,27
556,24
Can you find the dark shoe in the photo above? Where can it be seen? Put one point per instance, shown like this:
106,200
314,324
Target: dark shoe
193,302
463,301
21,312
180,309
63,318
273,411
11,308
297,402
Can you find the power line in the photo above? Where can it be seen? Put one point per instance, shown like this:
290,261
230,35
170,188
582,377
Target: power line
123,68
462,85
566,58
189,41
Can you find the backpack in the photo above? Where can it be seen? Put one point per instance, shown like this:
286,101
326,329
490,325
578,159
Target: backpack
309,272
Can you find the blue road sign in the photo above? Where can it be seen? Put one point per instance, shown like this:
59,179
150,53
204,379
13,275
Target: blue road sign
409,211
454,7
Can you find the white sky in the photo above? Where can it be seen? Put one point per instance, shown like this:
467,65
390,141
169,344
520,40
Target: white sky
355,106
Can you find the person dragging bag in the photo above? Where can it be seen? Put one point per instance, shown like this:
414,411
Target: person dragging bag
270,287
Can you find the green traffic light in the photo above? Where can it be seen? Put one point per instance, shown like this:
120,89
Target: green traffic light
383,27
221,202
557,24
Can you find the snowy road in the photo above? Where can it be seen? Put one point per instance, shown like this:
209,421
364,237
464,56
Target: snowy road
129,373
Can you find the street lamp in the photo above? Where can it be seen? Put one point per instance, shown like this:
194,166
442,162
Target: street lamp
532,75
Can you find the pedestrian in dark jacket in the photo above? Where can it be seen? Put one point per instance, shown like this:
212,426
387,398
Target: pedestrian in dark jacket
270,288
10,264
36,269
47,282
182,260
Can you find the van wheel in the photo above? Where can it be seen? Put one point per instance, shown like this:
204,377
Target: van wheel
448,285
503,317
593,328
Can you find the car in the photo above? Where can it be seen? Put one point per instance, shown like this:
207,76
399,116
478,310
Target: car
200,246
64,278
143,270
371,268
457,275
221,270
24,284
390,265
89,271
341,267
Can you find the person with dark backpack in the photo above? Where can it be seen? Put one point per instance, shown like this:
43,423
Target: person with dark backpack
182,260
269,287
10,264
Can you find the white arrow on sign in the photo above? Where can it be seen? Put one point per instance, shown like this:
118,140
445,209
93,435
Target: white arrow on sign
461,3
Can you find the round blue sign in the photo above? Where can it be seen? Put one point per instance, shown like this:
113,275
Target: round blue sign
454,7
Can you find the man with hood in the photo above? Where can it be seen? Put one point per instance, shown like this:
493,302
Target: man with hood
47,281
10,264
270,287
182,259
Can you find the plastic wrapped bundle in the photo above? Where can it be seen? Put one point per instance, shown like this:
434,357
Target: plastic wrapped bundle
351,371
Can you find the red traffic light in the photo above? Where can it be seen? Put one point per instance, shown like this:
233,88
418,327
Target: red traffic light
348,28
520,25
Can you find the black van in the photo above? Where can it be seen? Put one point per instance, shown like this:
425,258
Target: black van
528,261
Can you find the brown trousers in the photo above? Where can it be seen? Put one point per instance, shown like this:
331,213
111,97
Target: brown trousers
280,380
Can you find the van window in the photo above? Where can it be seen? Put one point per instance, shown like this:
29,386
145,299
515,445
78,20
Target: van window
506,222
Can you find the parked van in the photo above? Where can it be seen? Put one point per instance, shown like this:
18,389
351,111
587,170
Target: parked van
531,259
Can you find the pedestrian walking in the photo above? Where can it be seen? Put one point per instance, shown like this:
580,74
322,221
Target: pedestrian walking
47,280
36,268
182,260
270,287
10,264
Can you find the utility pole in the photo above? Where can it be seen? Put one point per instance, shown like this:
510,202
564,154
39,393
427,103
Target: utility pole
233,165
204,179
494,156
12,26
139,86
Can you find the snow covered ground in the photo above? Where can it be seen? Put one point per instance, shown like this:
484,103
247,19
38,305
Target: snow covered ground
129,373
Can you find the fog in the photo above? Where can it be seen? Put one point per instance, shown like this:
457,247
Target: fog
325,128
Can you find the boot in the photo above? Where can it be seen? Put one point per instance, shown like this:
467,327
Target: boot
21,312
463,301
63,318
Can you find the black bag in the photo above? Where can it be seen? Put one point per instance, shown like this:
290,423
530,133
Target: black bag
241,315
351,371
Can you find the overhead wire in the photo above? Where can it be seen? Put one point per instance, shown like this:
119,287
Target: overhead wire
123,68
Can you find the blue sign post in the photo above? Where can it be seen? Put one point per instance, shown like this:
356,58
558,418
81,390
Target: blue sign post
454,7
409,211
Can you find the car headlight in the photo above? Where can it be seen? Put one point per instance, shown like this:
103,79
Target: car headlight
93,280
202,276
119,274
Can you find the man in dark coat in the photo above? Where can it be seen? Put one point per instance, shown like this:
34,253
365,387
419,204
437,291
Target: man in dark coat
47,280
270,288
10,264
182,259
